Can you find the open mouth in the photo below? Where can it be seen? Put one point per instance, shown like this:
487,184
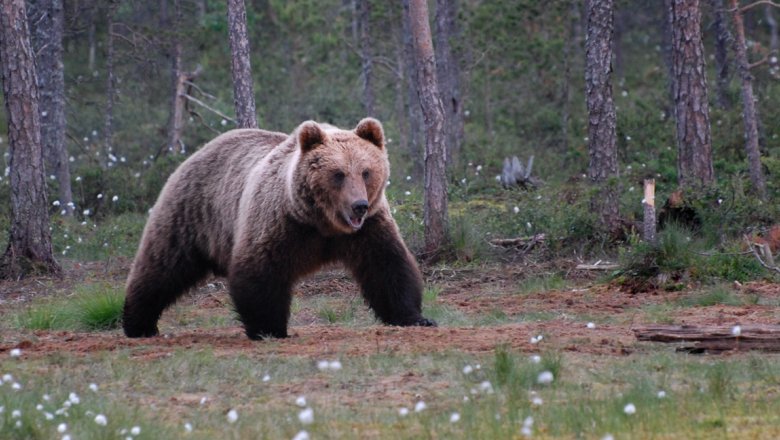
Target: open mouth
353,221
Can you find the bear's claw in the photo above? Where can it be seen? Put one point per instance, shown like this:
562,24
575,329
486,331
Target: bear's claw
425,322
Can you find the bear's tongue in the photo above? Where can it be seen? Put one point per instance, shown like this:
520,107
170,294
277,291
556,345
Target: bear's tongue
356,222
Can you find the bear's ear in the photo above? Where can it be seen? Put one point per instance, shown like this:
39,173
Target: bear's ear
371,130
310,135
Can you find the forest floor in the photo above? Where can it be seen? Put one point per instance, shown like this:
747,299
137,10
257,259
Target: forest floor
484,313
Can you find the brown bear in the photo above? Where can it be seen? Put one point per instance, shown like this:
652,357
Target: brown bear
265,209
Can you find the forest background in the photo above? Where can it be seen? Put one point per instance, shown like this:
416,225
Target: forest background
513,75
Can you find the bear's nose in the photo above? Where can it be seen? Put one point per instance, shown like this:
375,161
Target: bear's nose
360,207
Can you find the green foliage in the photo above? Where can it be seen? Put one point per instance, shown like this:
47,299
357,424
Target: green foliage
92,307
715,295
98,307
542,283
670,255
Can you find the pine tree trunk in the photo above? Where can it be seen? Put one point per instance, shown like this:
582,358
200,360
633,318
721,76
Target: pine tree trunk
414,112
108,124
689,86
29,244
47,42
722,40
364,24
435,197
448,76
774,38
602,135
749,112
176,114
241,68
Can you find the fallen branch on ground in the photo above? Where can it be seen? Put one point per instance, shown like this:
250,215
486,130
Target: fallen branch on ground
713,339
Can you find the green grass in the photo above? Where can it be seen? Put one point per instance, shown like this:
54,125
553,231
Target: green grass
716,295
542,283
704,399
91,307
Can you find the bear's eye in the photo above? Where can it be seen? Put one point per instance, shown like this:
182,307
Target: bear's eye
339,176
366,174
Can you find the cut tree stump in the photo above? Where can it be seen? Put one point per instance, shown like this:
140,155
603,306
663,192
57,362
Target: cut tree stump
713,339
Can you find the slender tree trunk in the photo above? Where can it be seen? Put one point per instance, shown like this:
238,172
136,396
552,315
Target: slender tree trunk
176,114
569,43
414,110
29,244
448,76
722,41
691,108
91,37
241,68
401,111
108,125
364,23
602,134
435,197
47,42
774,39
749,112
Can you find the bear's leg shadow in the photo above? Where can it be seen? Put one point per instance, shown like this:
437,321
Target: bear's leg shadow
156,281
262,295
387,273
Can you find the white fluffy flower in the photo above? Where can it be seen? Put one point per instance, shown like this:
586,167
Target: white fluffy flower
301,435
16,352
301,401
61,428
403,412
101,420
135,430
468,369
232,416
454,417
736,330
545,377
306,416
74,398
591,325
420,406
93,387
629,409
661,394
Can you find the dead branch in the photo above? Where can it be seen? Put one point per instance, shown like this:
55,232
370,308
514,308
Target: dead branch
768,260
520,244
713,339
758,3
207,107
598,266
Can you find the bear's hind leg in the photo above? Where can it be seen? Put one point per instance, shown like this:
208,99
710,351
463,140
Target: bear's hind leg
154,284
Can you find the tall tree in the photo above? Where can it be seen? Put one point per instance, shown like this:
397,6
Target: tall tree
176,114
48,26
602,134
29,243
108,123
364,24
435,196
722,41
689,90
414,110
240,66
749,112
448,75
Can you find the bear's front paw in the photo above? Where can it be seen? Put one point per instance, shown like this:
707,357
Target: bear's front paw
425,322
141,332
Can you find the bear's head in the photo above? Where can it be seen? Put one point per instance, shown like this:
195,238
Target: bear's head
340,174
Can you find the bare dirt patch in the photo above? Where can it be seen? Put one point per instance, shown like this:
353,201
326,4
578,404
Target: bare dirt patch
472,292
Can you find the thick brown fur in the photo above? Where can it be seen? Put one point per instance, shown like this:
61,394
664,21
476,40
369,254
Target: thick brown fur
265,209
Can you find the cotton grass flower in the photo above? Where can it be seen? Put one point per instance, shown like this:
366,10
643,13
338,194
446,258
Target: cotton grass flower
468,369
266,378
187,427
16,386
661,394
403,411
454,417
61,428
420,406
15,352
306,416
629,409
74,399
736,331
93,387
135,430
536,359
301,401
101,420
301,435
545,377
232,416
486,387
591,325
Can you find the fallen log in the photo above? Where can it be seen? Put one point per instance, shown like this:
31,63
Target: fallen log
713,339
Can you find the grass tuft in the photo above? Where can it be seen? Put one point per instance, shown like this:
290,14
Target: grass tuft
99,307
